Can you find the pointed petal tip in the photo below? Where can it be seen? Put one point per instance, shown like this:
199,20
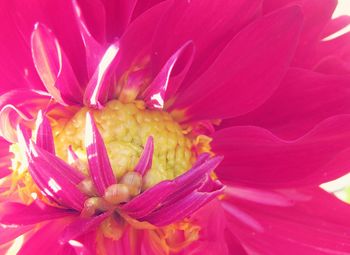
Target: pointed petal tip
99,86
44,138
100,168
145,161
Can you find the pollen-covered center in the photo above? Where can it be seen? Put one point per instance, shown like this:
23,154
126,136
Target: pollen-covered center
125,129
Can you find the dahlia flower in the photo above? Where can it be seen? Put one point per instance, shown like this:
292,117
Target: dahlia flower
173,127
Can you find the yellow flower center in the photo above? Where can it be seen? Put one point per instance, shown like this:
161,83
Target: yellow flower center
125,129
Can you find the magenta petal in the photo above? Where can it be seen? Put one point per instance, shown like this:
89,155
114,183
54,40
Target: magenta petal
304,99
135,42
10,232
189,20
100,168
335,25
118,16
240,79
45,240
44,137
255,155
315,224
55,178
5,159
145,161
16,64
54,67
97,90
149,200
93,49
19,106
81,226
154,95
4,172
20,214
168,191
184,207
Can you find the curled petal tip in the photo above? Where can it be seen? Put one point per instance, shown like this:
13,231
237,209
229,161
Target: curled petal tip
145,162
53,66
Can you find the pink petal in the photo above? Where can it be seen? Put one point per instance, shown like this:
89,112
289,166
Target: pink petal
255,155
171,191
55,178
316,224
335,25
44,137
99,166
45,240
135,43
184,207
212,221
81,226
93,49
20,214
57,16
16,64
54,67
97,90
333,65
154,95
252,75
118,16
303,99
209,33
92,18
317,16
145,161
10,232
19,106
149,200
5,159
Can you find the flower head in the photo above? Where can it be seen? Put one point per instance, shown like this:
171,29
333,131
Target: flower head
173,127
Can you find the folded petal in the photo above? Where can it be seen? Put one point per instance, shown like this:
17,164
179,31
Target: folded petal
95,14
214,25
154,95
16,64
45,240
10,232
145,161
99,166
317,15
241,80
315,224
59,17
303,99
118,16
19,106
172,212
20,214
171,191
55,178
44,137
149,200
5,158
255,155
135,45
81,226
99,86
54,67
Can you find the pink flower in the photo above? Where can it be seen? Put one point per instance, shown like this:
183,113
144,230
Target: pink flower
115,115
